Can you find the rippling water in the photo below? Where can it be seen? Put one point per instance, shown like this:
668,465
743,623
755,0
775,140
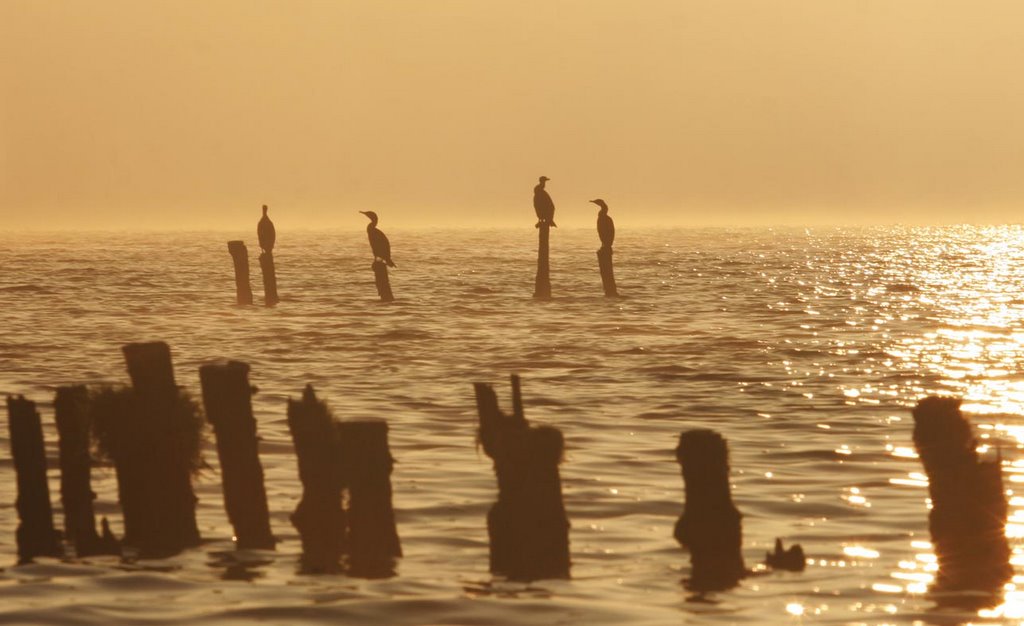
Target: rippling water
803,348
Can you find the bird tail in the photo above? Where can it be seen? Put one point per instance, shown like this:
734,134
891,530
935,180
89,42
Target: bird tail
553,224
390,263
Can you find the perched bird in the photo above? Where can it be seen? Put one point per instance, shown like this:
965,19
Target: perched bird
378,241
543,205
265,232
605,225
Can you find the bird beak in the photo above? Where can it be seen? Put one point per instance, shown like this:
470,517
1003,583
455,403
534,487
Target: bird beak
363,212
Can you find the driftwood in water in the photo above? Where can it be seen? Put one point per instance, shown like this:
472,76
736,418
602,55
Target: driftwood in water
71,409
36,535
319,517
240,257
710,525
366,464
380,277
227,399
269,279
527,526
604,262
542,284
968,516
152,433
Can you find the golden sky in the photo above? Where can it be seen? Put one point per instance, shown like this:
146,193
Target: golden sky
191,114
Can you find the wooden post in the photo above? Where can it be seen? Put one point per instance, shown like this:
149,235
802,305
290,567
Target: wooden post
968,516
542,284
240,256
227,398
527,526
366,464
160,461
604,262
710,525
71,408
269,279
36,535
380,276
319,517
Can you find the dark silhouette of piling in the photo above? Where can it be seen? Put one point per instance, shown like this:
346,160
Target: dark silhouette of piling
527,526
790,559
604,262
71,409
542,284
319,517
710,526
366,463
240,256
968,516
36,535
380,276
152,433
227,399
269,279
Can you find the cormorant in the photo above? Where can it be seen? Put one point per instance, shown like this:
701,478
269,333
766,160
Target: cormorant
543,205
605,225
378,241
265,232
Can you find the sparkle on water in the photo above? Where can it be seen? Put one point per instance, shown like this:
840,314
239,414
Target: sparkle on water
806,349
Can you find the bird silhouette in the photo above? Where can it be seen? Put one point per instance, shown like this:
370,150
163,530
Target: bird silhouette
543,205
378,240
605,224
265,232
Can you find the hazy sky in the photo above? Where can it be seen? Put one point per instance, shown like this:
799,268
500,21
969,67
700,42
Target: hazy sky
190,114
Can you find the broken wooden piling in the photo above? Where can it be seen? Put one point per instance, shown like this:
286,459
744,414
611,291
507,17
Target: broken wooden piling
269,279
380,277
319,516
527,526
366,464
71,410
227,400
968,516
710,526
604,263
35,535
240,257
542,284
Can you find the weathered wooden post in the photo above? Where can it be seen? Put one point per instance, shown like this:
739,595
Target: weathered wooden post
269,279
152,433
366,463
36,535
71,409
604,262
380,276
319,517
227,399
527,526
542,284
240,256
968,516
710,525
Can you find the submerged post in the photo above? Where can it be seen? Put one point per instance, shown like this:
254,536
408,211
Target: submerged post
269,279
710,525
366,463
319,517
158,455
527,526
36,535
227,398
240,257
542,284
71,409
968,516
604,262
380,276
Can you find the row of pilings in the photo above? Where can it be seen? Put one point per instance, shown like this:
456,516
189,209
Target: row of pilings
151,432
542,283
